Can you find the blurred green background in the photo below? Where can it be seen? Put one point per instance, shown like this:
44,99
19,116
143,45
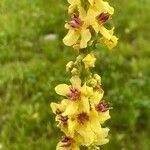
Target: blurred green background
32,63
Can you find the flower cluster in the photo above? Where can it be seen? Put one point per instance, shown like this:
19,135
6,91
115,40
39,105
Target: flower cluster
88,19
83,111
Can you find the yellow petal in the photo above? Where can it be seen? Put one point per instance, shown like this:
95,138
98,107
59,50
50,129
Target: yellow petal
72,125
85,37
86,90
87,134
102,6
108,8
61,106
111,43
95,26
71,37
82,12
76,147
103,116
108,38
74,2
91,2
73,5
71,108
105,32
84,105
91,16
94,121
62,89
59,147
54,107
102,141
76,82
101,136
97,96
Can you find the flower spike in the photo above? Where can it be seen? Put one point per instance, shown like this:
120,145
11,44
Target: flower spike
82,112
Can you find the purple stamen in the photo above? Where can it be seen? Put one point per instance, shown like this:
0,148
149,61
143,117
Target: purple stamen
74,94
75,22
67,141
102,107
64,119
103,17
82,118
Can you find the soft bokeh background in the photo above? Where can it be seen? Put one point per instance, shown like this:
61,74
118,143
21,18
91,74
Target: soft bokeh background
32,63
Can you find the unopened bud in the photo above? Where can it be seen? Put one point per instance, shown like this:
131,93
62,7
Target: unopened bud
69,66
93,82
89,61
98,78
75,71
76,46
78,59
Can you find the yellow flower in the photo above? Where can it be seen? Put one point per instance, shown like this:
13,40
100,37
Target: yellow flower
100,106
77,95
87,126
89,60
70,91
78,31
108,38
98,14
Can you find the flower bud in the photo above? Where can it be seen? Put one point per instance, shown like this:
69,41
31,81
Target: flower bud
76,46
75,71
98,78
89,60
69,66
92,82
79,58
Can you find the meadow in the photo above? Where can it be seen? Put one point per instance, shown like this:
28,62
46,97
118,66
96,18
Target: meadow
32,63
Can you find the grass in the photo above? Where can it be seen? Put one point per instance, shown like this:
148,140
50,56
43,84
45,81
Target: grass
32,58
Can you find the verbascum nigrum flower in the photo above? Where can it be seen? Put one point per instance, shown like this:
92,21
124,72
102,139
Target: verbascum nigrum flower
81,113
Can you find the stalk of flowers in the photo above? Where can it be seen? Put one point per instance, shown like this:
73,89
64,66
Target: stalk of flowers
83,111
